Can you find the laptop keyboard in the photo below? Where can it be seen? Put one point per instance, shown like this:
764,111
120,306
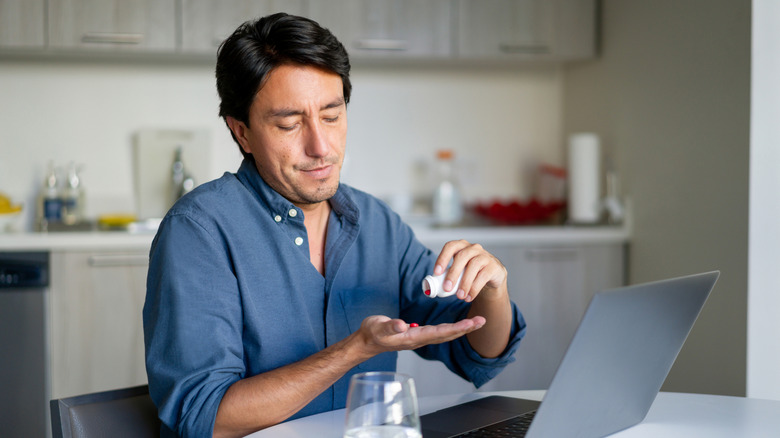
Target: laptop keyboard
512,427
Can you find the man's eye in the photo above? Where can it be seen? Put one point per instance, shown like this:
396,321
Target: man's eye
286,128
332,119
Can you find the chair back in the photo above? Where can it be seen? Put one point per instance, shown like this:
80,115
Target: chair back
127,412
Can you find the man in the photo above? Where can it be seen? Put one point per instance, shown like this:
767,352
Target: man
269,288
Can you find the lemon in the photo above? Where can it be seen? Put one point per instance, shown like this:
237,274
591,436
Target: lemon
7,207
116,220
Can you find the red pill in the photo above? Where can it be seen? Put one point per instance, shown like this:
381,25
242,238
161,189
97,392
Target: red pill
428,292
414,324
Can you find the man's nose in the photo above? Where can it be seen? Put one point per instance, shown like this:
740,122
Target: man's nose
317,142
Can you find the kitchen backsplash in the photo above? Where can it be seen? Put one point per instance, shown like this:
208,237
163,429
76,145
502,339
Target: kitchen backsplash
500,123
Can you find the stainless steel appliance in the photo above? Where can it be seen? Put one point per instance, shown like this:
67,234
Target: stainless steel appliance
24,279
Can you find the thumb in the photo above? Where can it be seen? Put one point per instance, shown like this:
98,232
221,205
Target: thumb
396,326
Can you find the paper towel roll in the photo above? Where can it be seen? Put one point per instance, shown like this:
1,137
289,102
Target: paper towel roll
584,178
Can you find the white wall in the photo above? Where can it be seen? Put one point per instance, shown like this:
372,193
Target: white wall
670,94
87,113
763,375
499,121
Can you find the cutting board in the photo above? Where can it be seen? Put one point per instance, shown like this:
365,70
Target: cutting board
153,156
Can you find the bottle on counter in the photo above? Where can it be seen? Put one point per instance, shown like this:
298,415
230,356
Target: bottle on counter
181,181
447,200
612,202
72,197
49,202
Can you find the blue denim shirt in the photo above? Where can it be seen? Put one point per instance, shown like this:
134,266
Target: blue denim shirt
231,293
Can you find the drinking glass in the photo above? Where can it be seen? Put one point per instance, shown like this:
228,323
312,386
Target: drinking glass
382,405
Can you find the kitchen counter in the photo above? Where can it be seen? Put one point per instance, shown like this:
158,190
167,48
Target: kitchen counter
74,241
431,236
514,235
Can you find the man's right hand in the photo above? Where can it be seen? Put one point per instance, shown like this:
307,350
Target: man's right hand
379,334
289,388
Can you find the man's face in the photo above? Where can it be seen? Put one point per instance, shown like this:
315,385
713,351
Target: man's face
298,132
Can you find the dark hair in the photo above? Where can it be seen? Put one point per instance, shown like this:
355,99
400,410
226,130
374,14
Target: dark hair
246,57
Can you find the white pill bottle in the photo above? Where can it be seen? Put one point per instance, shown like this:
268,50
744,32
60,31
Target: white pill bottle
433,285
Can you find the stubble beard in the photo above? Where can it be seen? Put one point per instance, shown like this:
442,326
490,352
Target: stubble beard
321,193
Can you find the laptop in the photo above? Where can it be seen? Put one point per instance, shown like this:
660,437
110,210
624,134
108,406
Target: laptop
610,375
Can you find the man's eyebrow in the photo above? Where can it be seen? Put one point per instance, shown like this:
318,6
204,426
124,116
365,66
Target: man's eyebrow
284,112
335,104
289,112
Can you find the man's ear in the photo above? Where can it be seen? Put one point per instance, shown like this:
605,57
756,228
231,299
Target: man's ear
239,130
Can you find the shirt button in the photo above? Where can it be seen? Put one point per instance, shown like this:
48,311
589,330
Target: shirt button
299,241
293,212
278,218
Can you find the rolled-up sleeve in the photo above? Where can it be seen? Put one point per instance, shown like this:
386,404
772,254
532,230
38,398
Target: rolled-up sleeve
479,370
192,326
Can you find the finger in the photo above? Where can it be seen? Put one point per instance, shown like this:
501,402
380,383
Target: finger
466,264
396,326
379,326
478,285
472,276
447,253
483,270
465,252
387,334
436,334
491,273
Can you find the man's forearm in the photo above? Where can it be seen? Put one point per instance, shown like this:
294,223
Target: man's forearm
266,399
495,306
263,400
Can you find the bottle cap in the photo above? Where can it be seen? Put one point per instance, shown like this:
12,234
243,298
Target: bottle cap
444,154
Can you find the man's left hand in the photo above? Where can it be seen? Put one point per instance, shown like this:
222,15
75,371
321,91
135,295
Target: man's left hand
482,271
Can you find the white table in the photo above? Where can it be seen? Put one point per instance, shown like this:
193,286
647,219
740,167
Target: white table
672,415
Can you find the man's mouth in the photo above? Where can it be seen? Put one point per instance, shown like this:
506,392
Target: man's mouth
319,172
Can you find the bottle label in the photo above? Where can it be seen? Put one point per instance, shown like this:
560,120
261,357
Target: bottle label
52,210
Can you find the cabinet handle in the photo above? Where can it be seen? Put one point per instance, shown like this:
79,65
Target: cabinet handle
112,38
552,254
380,44
102,261
533,49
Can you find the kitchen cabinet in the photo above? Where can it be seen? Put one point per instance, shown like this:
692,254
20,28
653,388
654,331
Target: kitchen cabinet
465,31
21,24
373,29
113,25
526,29
552,285
206,23
94,319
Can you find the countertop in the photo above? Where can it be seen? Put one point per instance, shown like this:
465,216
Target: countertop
671,415
431,236
75,241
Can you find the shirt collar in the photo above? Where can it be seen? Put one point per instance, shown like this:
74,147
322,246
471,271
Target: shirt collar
341,203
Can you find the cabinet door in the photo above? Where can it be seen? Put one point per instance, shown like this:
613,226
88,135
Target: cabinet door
490,28
526,29
206,23
115,25
21,23
95,322
388,28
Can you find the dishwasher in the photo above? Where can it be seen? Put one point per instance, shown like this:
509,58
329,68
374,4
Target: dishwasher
24,400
